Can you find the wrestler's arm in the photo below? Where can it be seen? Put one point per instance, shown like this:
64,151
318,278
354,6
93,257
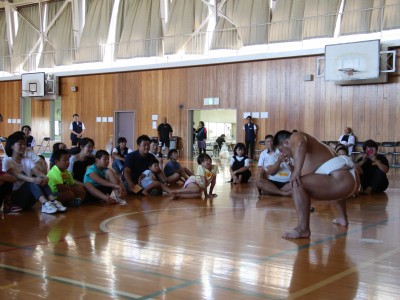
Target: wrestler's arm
298,143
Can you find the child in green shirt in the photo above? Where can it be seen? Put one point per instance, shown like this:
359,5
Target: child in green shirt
61,182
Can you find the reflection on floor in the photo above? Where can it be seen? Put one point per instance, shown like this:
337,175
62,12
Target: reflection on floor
227,248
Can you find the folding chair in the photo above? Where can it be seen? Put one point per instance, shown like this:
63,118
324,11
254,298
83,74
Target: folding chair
45,144
257,152
388,148
396,152
333,144
357,150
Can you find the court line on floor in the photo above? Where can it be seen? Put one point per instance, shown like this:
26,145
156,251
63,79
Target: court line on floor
185,284
343,274
77,283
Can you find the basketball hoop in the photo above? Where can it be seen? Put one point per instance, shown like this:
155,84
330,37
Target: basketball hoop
347,73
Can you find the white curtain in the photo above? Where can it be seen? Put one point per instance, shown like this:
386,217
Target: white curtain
287,21
26,38
320,18
225,34
356,17
95,32
251,18
246,24
4,47
184,18
139,29
376,16
197,42
391,16
57,50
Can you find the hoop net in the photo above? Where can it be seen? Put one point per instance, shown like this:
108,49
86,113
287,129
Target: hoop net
347,73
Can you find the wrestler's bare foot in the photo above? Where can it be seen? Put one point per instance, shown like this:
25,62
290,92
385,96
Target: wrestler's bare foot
296,233
341,221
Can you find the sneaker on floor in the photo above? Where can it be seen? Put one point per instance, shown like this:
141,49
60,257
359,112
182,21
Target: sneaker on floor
48,208
58,205
117,200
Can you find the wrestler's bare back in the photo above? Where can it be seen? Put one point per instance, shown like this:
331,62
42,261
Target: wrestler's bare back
317,153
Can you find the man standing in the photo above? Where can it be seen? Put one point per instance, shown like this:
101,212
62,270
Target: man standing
250,132
77,129
164,135
317,174
136,163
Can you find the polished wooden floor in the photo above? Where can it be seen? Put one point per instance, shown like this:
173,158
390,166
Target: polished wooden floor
228,248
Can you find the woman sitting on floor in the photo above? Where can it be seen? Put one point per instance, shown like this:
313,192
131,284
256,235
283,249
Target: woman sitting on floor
32,184
78,163
372,168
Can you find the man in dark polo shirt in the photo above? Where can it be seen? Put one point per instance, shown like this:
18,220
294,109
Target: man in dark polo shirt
77,129
250,133
164,135
135,163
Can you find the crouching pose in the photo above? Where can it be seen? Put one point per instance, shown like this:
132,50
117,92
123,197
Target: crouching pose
319,174
101,182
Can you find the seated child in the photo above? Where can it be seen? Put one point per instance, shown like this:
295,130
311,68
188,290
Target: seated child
240,164
194,186
6,186
119,153
173,170
101,182
56,146
61,182
153,180
341,150
154,150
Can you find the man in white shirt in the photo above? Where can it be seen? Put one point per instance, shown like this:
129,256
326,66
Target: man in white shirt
274,171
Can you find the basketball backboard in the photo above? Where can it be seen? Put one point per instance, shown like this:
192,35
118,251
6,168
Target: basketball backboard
352,61
33,84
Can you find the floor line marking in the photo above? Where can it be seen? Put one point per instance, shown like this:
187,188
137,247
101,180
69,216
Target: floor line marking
342,274
78,283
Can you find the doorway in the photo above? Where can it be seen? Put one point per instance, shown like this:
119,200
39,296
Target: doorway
124,126
40,114
217,122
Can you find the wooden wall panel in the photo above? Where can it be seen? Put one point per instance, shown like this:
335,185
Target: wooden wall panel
10,106
40,122
276,86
